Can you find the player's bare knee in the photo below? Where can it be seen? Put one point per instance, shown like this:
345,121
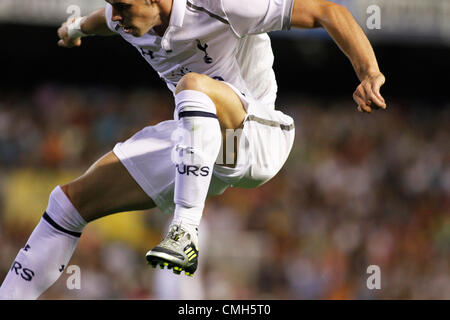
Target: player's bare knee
193,81
74,196
62,213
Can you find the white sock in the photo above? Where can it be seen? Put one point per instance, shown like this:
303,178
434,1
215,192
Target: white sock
47,252
199,143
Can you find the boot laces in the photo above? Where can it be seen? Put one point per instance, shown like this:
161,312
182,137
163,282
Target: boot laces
176,233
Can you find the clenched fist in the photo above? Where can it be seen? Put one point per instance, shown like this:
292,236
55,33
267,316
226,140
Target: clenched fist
367,95
66,40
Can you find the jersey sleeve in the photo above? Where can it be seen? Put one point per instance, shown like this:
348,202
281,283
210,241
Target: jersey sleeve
108,15
248,17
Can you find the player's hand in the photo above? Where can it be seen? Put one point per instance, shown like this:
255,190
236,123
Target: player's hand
367,95
64,39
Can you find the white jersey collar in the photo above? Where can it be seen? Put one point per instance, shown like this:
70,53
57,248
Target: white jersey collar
177,14
176,21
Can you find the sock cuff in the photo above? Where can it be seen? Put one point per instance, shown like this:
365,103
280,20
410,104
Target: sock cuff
186,215
63,213
192,100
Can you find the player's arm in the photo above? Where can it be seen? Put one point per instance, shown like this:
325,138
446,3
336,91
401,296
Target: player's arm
71,31
350,38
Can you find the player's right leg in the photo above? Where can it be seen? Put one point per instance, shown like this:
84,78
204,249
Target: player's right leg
204,108
105,188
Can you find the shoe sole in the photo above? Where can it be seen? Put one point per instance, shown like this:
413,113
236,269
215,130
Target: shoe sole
162,262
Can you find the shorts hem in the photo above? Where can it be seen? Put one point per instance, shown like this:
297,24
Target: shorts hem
141,180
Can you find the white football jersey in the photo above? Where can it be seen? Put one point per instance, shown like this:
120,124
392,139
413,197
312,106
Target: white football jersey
224,39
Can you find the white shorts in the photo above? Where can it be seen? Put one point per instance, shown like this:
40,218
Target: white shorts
264,145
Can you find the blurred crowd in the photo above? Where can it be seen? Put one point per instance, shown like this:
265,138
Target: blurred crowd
358,190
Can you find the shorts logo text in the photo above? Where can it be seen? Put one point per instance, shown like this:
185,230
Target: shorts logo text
193,170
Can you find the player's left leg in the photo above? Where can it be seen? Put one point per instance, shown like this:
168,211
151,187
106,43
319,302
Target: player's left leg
205,109
105,188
